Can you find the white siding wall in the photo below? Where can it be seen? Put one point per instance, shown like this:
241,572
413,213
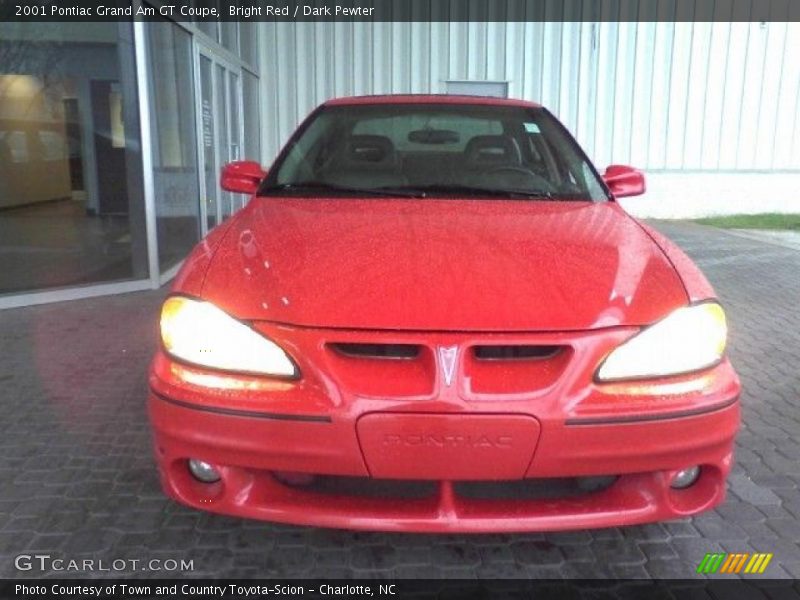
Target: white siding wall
663,96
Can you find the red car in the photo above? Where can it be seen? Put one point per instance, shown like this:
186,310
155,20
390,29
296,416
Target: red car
434,316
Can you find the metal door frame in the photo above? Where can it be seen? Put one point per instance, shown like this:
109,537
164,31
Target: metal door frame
204,50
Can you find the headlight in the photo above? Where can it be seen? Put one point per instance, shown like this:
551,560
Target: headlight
688,339
200,333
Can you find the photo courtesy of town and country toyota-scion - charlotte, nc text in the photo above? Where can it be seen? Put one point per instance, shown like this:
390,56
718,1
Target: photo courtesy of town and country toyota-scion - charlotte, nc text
188,590
197,12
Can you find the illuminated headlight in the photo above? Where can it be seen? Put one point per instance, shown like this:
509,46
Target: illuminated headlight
688,339
200,333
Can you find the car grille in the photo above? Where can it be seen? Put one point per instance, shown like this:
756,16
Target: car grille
532,489
387,365
404,369
395,489
366,487
377,350
515,352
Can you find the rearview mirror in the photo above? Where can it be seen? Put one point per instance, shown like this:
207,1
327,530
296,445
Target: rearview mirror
434,136
242,176
623,180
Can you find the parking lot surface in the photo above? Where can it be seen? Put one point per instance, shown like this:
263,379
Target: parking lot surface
78,481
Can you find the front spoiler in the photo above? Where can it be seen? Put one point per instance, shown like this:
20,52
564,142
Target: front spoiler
249,450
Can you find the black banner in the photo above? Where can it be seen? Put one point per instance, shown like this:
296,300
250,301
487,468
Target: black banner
196,589
402,10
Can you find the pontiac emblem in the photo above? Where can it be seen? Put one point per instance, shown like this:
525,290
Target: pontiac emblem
447,358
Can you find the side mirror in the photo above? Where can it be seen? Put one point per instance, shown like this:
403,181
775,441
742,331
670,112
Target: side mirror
242,176
624,181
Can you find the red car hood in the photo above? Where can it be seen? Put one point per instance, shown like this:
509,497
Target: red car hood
488,265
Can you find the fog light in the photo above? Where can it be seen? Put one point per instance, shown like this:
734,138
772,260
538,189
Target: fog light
203,471
684,478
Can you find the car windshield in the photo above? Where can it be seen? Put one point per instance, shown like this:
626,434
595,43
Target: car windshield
434,150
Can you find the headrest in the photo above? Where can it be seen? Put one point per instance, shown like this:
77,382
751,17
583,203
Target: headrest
376,150
488,150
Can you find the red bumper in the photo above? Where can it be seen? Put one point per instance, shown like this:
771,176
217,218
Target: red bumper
632,437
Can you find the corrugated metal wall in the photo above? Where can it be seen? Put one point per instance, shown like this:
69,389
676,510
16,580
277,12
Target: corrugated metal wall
658,95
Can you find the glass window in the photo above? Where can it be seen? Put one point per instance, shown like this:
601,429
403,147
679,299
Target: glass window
207,118
209,28
223,143
249,42
436,150
175,151
460,130
71,203
234,96
229,35
233,103
252,127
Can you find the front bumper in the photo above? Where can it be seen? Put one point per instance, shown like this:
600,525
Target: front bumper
264,435
248,451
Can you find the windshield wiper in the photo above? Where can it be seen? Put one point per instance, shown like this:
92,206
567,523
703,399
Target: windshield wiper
409,191
472,190
322,186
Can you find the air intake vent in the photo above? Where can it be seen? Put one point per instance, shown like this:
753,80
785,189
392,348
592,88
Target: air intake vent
514,352
533,489
367,487
396,351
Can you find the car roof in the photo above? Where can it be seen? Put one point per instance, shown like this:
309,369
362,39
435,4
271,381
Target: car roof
429,99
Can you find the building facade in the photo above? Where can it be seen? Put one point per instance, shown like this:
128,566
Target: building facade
112,134
709,109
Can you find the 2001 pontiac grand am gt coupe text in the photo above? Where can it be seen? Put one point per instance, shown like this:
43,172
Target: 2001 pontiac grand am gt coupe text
434,316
